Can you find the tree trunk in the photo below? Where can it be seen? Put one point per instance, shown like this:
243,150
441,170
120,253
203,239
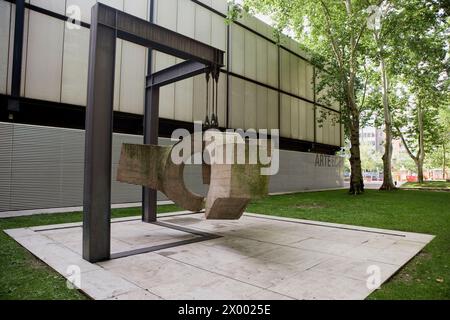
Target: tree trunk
444,164
419,164
356,178
388,183
421,154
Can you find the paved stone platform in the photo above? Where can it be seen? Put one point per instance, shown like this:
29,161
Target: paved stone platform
258,257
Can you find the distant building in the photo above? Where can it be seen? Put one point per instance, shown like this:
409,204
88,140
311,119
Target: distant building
372,136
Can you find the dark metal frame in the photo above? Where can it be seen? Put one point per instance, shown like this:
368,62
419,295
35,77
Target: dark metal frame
107,25
200,237
16,77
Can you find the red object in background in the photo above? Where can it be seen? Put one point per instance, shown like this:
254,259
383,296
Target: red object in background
411,178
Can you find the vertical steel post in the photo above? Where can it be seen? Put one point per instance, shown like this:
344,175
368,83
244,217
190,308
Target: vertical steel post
99,128
16,78
151,130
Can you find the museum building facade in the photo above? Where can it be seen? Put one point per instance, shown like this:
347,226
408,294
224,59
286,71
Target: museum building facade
265,84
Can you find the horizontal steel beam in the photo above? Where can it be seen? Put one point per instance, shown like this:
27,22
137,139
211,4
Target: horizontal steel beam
175,73
133,29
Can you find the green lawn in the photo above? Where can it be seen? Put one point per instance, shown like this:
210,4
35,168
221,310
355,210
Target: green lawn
428,184
426,277
22,276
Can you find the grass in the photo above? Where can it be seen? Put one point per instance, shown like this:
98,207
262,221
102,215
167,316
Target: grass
428,184
22,276
427,276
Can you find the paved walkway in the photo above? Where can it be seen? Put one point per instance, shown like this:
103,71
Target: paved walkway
257,257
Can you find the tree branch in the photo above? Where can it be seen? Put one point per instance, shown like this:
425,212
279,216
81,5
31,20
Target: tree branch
334,45
363,101
405,144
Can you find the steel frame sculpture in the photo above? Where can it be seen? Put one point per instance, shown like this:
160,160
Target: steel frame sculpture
108,24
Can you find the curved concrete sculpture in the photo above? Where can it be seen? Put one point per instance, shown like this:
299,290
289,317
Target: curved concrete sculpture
151,166
232,186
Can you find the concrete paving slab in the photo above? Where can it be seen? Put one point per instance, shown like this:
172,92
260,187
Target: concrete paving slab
257,257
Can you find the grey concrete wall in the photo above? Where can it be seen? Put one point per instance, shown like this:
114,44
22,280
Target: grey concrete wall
301,171
42,167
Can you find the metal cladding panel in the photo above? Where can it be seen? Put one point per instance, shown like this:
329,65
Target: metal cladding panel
319,125
36,165
222,100
138,8
75,66
262,107
117,4
11,45
295,116
219,32
272,109
272,65
219,5
42,167
72,164
6,137
199,99
309,121
237,107
328,127
250,109
261,60
302,80
44,57
132,84
57,6
248,20
285,71
237,49
184,99
303,120
166,13
207,2
262,28
117,75
85,7
5,14
294,74
186,18
167,93
309,81
203,25
326,130
250,55
285,121
167,102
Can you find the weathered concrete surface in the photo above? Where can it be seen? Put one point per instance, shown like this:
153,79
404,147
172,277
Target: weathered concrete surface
258,257
152,166
232,186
